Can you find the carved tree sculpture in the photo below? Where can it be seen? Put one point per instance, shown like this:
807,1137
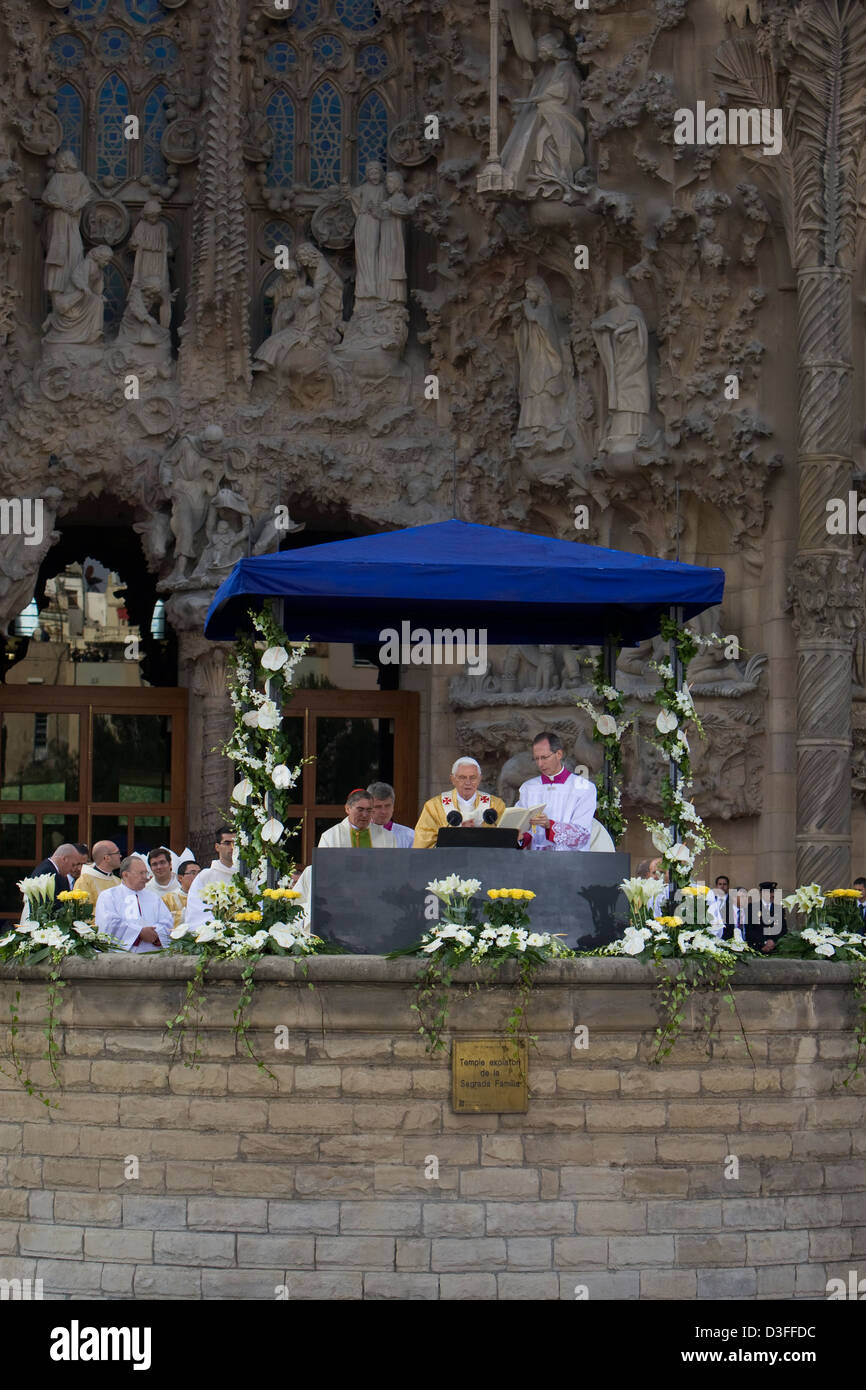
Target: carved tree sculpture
816,178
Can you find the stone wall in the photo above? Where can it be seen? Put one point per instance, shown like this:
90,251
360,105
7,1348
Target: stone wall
612,1186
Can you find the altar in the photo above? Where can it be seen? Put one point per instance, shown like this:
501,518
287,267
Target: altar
375,903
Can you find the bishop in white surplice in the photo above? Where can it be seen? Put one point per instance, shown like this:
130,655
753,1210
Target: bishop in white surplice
568,798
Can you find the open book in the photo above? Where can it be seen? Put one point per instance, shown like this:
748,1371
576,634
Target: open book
518,817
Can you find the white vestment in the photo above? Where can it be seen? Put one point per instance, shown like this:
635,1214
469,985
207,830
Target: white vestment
197,911
570,806
403,834
122,913
339,837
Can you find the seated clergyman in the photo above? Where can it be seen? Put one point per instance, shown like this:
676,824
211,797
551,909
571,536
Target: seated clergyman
464,800
383,814
134,915
569,800
357,831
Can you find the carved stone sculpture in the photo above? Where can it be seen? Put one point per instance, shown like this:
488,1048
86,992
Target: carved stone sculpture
307,320
545,370
66,193
367,204
226,536
149,241
392,241
77,316
622,340
139,332
191,471
546,144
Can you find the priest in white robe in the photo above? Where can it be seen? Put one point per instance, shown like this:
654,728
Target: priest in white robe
135,916
463,798
357,831
222,870
569,800
383,813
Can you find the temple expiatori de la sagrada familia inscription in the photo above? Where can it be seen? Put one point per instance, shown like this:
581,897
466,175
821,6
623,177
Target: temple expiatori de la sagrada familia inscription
383,263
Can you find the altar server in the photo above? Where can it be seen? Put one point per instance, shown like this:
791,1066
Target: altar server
165,883
357,831
569,800
136,916
464,799
222,870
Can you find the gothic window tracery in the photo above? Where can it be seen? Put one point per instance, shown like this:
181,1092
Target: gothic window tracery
331,62
70,113
112,148
153,127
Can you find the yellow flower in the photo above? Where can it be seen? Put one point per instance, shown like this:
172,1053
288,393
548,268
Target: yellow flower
248,916
834,893
280,893
72,895
493,892
669,921
694,890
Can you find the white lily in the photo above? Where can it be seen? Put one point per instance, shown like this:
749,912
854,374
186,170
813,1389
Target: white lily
242,792
274,658
606,725
272,830
282,776
666,721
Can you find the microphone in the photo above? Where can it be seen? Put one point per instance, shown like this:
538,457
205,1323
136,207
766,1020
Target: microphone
454,818
490,817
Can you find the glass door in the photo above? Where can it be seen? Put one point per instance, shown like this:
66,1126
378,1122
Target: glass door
77,765
351,738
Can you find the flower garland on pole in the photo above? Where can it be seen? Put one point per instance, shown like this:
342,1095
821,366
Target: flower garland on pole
682,837
608,729
251,920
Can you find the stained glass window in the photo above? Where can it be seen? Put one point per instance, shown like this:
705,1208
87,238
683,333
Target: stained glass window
358,15
372,131
115,299
305,13
112,150
145,11
276,234
327,51
67,51
161,53
113,44
281,58
326,136
372,60
70,113
280,114
152,161
86,10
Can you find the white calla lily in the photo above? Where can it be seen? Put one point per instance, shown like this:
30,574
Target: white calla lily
666,721
274,658
272,830
281,776
242,792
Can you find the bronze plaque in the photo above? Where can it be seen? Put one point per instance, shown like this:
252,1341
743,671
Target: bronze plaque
489,1074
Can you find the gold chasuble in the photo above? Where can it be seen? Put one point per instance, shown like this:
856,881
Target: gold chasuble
435,815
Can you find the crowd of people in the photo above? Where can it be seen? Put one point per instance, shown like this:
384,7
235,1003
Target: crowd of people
140,899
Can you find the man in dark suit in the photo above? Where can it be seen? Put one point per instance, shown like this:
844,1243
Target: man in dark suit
765,920
861,906
60,864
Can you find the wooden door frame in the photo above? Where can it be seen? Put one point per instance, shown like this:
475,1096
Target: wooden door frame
402,706
85,701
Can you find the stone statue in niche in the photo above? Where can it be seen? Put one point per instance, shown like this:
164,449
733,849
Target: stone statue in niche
368,201
77,316
545,371
392,240
149,241
622,340
190,473
66,193
308,317
546,145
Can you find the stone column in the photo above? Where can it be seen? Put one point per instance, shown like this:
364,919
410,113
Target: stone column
210,775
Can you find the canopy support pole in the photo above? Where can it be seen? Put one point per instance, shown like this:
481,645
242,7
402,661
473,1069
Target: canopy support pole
610,651
676,616
278,607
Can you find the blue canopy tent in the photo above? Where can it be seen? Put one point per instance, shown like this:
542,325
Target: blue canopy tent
519,587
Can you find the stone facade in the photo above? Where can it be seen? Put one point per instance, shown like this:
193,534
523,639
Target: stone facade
617,1183
283,328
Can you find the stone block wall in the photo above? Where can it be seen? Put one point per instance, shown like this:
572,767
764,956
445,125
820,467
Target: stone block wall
353,1178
